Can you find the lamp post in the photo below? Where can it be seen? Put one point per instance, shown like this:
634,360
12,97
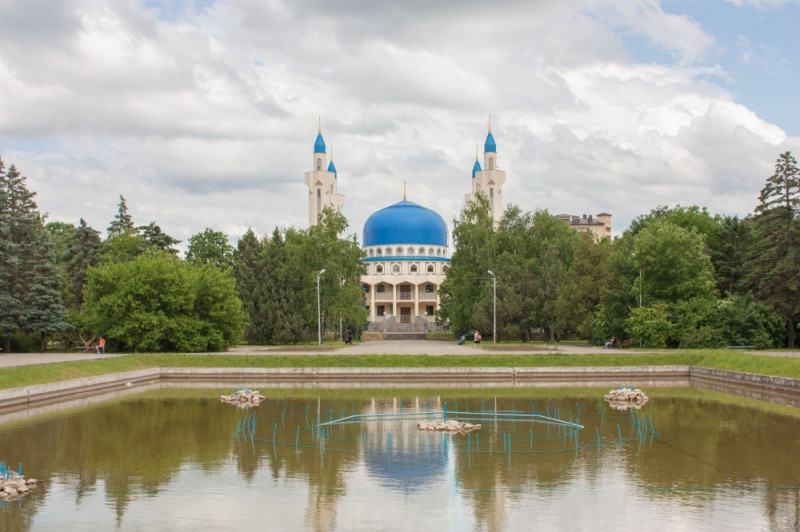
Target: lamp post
640,287
494,307
319,309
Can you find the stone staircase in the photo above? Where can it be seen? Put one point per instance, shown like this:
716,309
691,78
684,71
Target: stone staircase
393,329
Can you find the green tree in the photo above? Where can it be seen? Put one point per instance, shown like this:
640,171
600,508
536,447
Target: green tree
620,294
729,252
744,321
157,302
247,270
553,249
276,279
45,307
774,264
153,234
649,326
58,233
122,222
588,275
467,283
673,264
319,247
20,237
210,247
82,250
675,272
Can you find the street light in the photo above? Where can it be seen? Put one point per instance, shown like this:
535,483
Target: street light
494,307
319,309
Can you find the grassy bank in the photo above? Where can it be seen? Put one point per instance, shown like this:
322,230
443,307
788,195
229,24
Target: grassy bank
721,359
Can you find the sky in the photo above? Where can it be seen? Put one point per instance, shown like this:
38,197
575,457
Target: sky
204,113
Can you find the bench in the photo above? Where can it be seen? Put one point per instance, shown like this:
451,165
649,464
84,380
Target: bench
741,347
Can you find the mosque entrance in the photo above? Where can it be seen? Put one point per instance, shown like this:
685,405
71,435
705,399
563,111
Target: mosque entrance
405,315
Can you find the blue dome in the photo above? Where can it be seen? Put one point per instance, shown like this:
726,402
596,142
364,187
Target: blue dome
405,223
332,168
476,168
489,146
319,144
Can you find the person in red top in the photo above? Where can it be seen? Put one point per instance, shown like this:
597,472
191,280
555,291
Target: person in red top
101,345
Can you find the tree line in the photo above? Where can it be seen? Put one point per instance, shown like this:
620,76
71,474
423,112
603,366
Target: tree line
64,283
677,276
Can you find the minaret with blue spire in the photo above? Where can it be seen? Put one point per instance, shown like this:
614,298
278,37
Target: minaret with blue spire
477,166
488,181
331,167
321,182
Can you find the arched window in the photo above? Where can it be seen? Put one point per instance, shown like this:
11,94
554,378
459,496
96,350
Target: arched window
379,251
399,250
430,252
421,251
396,268
388,251
319,163
429,288
413,268
365,287
410,251
381,288
379,269
430,268
491,163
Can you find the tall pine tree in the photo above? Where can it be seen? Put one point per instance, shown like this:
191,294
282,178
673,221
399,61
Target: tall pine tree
20,237
82,250
774,266
122,222
45,307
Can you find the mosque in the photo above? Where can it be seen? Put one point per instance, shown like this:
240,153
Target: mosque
406,244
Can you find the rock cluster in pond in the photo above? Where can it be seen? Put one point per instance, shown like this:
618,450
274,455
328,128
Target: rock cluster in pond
450,425
625,398
242,398
15,485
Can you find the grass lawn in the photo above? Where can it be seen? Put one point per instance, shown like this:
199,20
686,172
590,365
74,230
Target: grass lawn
721,359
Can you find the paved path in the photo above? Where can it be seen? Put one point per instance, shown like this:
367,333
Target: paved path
371,347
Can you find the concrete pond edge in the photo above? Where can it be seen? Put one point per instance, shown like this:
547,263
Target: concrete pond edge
763,387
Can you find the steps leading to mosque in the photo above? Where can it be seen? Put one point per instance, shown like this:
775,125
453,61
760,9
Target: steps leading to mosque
404,336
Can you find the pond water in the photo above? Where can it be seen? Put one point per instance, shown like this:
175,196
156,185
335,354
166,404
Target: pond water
546,459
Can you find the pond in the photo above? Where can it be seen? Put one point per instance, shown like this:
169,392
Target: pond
545,459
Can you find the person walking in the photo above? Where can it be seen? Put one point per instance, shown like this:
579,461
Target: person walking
477,337
101,345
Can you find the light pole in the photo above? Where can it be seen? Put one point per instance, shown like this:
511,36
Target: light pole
640,287
494,307
319,309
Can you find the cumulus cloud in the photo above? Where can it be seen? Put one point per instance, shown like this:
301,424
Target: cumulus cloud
204,114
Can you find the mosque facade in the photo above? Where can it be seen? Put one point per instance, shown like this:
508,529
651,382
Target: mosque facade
406,244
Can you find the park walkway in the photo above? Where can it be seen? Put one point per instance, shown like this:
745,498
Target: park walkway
371,347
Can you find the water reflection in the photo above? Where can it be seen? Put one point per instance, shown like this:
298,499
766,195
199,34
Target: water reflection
173,459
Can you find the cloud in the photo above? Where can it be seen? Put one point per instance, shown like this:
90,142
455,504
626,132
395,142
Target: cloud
763,4
205,114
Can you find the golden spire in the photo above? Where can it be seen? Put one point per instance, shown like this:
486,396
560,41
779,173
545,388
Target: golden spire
476,152
319,127
490,123
404,191
331,152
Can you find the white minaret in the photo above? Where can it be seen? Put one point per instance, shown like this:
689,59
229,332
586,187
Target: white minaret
321,182
489,180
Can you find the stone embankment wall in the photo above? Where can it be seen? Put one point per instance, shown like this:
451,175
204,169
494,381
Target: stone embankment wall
758,386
